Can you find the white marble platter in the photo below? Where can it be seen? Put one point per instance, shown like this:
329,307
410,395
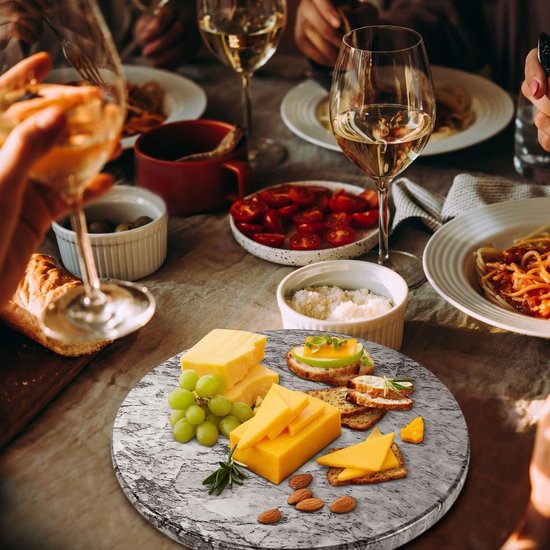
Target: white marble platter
163,478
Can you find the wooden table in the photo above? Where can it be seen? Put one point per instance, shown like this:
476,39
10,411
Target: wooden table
57,486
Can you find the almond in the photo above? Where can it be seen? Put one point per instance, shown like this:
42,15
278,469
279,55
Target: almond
310,505
343,505
300,481
270,516
299,495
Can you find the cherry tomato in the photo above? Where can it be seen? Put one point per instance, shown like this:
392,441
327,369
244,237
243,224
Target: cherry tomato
320,190
311,227
289,210
302,195
346,202
249,228
337,218
272,221
276,197
371,197
321,202
365,219
276,240
247,210
340,235
305,241
308,216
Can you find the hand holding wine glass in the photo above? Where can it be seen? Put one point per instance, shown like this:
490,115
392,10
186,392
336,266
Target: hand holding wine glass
382,112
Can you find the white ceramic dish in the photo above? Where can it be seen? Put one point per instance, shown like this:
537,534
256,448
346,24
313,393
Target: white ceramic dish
127,255
386,329
284,256
449,259
493,107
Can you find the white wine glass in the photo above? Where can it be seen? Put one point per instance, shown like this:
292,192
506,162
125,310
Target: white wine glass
382,113
78,43
244,34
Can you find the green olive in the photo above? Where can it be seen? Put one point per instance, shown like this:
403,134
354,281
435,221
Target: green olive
124,226
100,227
142,220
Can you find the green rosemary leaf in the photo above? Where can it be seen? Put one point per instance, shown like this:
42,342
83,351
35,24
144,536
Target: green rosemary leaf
226,475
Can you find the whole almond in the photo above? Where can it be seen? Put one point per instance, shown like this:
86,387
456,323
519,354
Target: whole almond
343,505
299,495
310,505
270,516
300,481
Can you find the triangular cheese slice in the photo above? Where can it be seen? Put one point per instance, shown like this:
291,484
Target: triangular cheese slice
310,413
296,401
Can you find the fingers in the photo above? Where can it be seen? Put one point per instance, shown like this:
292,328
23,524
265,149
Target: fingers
540,464
542,122
535,77
35,67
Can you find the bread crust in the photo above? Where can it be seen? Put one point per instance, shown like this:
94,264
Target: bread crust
403,404
43,281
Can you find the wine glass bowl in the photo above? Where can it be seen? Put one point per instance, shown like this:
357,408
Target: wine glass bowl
382,112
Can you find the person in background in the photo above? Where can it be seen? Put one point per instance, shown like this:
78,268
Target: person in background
465,34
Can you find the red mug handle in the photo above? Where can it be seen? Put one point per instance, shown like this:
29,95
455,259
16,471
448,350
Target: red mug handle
243,172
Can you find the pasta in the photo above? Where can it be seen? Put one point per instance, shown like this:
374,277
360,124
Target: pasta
145,108
518,278
454,110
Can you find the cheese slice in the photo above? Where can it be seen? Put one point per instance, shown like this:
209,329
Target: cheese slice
297,401
256,383
368,455
310,413
326,351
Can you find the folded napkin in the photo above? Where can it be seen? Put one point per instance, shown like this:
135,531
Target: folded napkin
467,193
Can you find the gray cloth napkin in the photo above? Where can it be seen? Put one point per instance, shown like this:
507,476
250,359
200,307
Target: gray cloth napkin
467,193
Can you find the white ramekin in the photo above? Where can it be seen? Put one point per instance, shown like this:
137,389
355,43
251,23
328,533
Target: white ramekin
126,255
386,329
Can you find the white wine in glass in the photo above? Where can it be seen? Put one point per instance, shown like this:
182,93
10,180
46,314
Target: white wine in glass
244,34
87,83
382,113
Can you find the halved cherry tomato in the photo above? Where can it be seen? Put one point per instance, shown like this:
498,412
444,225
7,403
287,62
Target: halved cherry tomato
289,210
276,197
249,228
308,216
320,190
365,219
340,235
247,210
371,197
321,202
276,240
272,221
305,241
310,227
346,202
302,195
337,218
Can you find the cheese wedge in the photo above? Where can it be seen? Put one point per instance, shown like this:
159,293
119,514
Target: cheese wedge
256,383
297,401
308,415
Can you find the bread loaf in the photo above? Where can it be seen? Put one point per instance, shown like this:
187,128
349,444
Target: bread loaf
43,281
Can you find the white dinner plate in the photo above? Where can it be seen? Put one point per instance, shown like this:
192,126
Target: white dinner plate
368,238
184,100
449,261
493,107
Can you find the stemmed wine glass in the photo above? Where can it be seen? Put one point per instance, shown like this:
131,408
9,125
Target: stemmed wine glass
382,113
244,34
79,45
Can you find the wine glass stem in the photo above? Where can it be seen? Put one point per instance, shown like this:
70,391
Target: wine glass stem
247,110
383,187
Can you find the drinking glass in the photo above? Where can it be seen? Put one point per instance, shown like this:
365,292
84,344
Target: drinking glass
382,113
79,45
244,34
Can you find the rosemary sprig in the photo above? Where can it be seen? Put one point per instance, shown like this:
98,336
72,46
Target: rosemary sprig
226,475
396,384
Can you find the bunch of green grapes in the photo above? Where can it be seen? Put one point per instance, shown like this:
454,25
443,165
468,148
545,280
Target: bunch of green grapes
201,411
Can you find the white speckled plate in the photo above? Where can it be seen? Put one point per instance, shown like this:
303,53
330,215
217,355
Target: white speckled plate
368,238
493,107
163,478
450,267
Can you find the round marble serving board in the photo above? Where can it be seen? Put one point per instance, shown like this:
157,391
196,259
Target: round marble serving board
163,478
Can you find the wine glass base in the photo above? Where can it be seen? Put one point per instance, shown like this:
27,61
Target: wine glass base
265,154
406,264
130,305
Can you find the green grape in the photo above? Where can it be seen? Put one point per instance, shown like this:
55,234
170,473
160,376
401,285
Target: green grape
207,434
219,405
220,381
188,379
211,417
228,424
195,414
207,385
242,411
181,399
184,431
176,415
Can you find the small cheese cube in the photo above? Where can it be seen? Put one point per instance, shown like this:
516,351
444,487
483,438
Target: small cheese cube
414,431
256,383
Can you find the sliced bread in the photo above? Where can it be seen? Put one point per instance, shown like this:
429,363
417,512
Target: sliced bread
337,398
364,420
359,398
376,386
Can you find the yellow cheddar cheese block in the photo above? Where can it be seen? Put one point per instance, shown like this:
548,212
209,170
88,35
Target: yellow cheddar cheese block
297,401
368,455
276,459
227,353
310,413
272,414
256,383
329,351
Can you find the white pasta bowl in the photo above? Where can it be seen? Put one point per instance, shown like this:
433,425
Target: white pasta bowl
385,328
126,255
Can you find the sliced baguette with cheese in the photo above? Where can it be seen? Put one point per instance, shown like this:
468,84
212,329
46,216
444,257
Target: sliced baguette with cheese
376,386
365,399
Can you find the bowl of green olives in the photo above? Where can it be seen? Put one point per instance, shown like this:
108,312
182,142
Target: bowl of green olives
128,231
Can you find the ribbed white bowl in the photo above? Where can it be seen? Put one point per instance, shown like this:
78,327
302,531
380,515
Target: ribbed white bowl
386,329
127,255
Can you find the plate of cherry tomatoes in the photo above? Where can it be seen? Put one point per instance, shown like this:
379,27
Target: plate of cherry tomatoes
303,222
